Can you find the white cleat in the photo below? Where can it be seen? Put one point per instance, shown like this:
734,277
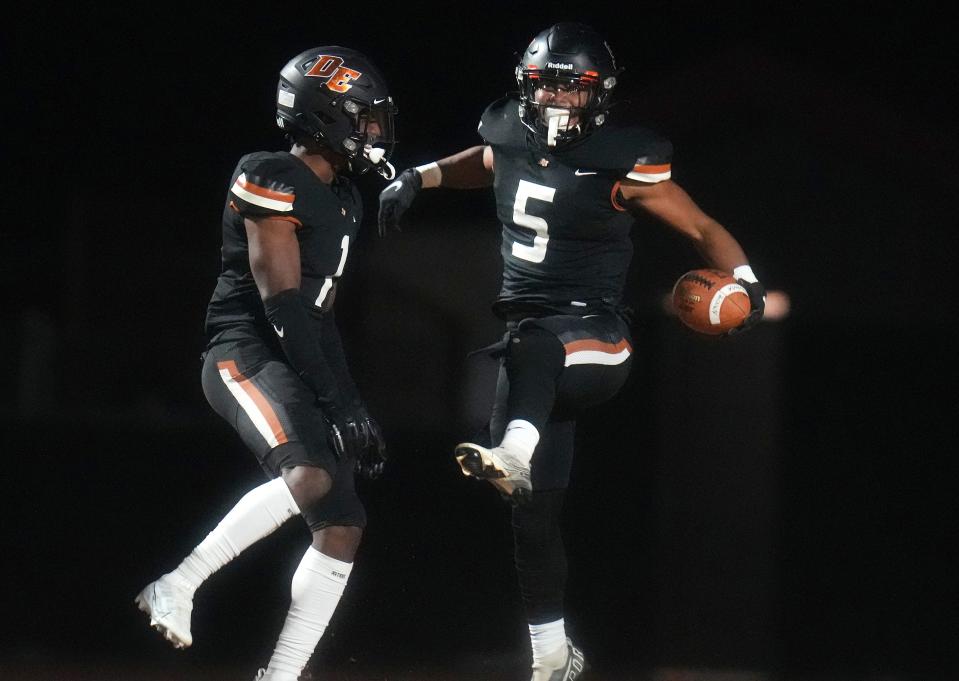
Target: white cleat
169,606
558,667
509,475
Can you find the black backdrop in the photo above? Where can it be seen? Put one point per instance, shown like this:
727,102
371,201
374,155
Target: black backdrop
783,504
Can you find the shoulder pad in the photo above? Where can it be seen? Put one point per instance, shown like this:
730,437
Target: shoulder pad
621,149
500,124
264,185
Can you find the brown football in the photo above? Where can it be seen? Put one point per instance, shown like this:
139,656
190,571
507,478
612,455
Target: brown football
710,301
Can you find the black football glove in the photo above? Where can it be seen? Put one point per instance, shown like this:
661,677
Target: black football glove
342,431
354,433
371,457
757,304
397,198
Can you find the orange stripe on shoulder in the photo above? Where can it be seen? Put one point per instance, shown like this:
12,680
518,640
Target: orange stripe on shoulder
662,168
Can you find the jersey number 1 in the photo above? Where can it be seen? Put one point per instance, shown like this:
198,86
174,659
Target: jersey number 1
531,190
328,284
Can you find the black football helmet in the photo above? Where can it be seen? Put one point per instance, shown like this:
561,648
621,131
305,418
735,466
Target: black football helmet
567,57
329,95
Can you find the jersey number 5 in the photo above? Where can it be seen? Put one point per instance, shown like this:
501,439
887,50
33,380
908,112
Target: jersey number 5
531,190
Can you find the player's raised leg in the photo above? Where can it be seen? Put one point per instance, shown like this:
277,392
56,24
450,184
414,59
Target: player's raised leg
525,397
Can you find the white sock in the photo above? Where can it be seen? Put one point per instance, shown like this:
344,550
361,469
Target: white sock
520,440
261,511
318,583
547,639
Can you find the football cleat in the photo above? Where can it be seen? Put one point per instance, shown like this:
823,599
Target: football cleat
570,669
506,473
169,606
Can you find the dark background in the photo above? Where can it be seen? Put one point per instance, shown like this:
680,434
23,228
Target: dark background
783,504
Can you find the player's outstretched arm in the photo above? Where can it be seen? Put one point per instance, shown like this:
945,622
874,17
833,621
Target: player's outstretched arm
670,204
469,169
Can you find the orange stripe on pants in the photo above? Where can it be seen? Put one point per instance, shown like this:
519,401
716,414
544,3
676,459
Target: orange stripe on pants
262,404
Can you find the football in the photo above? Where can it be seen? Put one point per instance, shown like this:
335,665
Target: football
710,301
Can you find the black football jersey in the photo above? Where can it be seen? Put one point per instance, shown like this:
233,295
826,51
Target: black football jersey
566,243
327,217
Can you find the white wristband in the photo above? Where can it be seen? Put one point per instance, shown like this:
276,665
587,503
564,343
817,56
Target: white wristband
431,174
745,272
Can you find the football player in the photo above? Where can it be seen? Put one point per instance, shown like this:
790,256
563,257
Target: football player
274,366
567,182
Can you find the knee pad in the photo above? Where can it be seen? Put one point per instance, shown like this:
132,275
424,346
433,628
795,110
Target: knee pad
339,505
308,484
345,512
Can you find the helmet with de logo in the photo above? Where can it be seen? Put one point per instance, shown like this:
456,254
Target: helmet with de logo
329,96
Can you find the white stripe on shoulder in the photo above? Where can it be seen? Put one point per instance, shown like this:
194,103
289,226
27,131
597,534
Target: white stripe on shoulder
261,201
649,177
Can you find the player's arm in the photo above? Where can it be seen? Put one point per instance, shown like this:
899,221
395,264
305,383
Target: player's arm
671,205
274,255
275,263
317,358
469,169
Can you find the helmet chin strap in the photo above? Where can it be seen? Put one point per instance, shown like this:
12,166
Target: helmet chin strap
375,156
556,119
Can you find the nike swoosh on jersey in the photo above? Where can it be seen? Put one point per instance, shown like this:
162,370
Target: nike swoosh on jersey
279,330
379,101
585,172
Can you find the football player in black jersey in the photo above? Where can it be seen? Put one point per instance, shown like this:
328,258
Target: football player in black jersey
274,366
567,183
